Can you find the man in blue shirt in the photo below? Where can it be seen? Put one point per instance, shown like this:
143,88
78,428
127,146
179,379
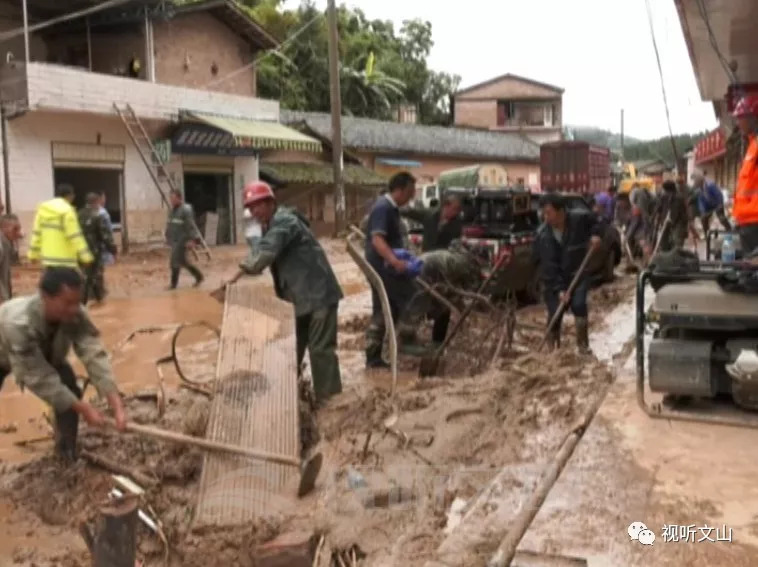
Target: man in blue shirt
710,200
383,235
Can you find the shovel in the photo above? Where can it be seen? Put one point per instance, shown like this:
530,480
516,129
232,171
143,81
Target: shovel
309,470
430,364
567,298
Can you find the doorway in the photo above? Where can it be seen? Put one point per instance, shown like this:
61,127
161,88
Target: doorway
210,197
104,181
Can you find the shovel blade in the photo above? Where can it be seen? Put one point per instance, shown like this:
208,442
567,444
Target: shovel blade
309,474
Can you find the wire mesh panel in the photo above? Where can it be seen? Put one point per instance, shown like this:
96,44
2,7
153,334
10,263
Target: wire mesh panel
255,405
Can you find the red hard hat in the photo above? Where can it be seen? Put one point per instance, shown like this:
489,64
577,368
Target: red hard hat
746,106
256,191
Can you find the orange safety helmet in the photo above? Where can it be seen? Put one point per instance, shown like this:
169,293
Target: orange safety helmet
256,191
746,106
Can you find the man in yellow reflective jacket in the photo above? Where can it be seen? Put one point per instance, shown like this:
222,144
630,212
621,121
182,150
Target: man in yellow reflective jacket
57,238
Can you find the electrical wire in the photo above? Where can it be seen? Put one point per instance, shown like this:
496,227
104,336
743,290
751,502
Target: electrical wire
663,83
281,46
10,34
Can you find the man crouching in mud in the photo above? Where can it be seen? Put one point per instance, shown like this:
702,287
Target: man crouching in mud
456,267
36,334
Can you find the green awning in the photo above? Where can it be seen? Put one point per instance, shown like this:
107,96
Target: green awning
258,134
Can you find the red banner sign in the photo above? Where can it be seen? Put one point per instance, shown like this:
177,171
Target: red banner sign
710,147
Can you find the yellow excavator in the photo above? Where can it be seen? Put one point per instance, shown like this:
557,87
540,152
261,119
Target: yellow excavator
629,179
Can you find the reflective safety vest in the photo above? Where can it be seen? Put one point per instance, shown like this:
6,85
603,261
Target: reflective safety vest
57,238
745,208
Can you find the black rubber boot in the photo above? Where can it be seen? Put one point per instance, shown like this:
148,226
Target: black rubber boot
67,422
197,274
582,335
174,278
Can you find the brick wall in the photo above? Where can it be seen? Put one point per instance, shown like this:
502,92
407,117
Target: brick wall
476,113
199,39
57,88
509,88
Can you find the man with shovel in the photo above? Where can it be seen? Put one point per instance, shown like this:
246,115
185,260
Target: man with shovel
563,242
302,276
36,334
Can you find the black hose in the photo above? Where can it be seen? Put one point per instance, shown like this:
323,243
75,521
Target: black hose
174,340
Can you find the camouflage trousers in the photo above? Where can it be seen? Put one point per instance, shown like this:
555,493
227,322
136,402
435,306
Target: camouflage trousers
400,291
94,283
317,333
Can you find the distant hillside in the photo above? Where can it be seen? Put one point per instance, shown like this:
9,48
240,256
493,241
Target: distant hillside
598,136
634,149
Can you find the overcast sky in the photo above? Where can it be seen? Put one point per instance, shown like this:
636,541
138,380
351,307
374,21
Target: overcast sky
600,51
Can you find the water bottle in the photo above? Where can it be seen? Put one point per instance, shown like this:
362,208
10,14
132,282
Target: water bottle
728,251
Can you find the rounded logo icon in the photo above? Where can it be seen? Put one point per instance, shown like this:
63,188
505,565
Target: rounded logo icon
646,537
634,530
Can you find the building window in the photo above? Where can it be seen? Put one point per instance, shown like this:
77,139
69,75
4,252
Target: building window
548,115
505,112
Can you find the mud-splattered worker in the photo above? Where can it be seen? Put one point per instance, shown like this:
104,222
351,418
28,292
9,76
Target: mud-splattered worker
108,258
57,238
710,201
181,235
383,235
441,225
10,234
745,208
561,244
302,276
36,334
404,230
99,238
673,204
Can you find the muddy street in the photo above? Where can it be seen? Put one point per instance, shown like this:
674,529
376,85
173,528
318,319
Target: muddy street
435,476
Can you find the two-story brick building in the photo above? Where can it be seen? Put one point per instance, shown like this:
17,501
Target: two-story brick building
188,73
512,104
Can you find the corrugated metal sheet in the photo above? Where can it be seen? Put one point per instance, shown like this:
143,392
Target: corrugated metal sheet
256,406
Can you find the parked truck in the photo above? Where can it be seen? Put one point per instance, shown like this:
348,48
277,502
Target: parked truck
574,167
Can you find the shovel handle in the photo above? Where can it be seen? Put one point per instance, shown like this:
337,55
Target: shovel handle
567,298
200,443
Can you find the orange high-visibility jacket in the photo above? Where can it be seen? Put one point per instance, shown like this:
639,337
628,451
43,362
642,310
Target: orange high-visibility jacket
745,209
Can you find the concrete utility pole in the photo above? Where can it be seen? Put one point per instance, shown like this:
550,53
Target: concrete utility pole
336,98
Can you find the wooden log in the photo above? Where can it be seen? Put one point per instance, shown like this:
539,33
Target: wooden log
114,539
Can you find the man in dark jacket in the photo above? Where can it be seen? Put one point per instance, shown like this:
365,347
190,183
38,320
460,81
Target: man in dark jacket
302,276
99,238
560,247
181,234
383,236
441,225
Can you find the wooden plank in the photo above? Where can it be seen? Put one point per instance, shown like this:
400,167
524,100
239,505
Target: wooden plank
255,405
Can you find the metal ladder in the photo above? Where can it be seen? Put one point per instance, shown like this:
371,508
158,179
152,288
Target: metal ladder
152,160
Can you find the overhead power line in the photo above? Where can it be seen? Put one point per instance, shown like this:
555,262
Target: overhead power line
663,83
281,47
16,32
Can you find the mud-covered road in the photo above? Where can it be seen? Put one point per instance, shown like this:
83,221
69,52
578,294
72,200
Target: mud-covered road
385,494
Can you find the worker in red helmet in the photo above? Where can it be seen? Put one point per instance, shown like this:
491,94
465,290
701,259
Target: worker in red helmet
745,209
302,276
